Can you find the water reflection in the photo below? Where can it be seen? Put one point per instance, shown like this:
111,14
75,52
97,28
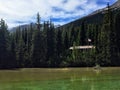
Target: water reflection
97,72
73,78
92,87
62,79
84,79
92,79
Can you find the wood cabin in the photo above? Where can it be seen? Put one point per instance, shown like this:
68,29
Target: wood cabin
82,47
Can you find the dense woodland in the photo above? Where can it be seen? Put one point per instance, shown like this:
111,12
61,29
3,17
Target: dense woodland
44,45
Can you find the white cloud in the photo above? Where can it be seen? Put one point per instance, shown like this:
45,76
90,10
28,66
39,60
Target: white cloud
24,10
72,4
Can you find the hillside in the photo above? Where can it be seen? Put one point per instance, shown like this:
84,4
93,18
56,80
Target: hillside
96,16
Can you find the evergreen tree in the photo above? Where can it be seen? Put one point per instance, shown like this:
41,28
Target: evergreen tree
38,21
75,55
4,45
71,36
51,43
83,34
106,38
59,46
116,59
20,51
66,42
13,52
37,48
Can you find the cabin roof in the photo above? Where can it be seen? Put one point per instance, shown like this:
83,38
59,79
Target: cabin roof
82,47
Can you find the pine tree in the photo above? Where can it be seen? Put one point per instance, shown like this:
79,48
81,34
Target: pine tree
38,48
83,34
4,45
66,41
38,21
71,36
20,51
13,52
116,60
51,43
106,38
75,55
59,46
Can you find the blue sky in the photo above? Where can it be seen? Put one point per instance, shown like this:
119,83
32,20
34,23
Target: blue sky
18,12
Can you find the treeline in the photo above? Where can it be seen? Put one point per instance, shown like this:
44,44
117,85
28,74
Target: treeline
44,45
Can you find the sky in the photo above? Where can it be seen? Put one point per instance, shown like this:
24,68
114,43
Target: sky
19,12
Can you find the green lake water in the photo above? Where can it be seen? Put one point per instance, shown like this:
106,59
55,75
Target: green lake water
60,79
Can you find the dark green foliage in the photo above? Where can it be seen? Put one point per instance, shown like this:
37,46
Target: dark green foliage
4,45
59,47
66,42
116,40
51,45
37,49
20,50
13,60
83,34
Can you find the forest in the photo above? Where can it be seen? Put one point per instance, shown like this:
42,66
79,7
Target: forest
45,45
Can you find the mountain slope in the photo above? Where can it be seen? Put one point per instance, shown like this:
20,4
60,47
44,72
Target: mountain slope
116,4
95,17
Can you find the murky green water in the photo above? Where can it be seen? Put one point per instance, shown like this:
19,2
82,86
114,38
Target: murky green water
60,79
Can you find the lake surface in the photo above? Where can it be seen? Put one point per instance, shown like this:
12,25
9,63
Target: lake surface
60,79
